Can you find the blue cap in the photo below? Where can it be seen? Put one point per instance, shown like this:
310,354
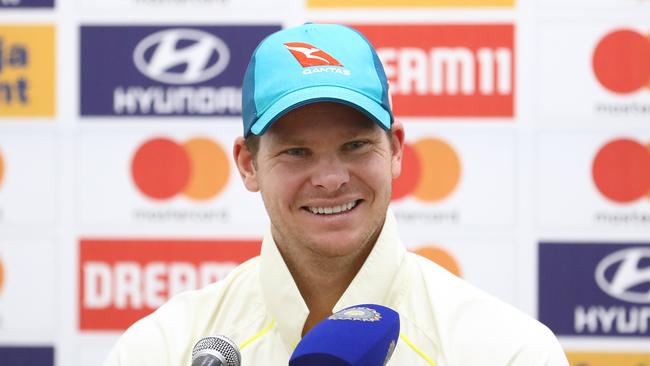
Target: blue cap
313,63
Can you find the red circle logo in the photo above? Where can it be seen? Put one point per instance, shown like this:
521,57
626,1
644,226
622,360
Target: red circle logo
431,171
198,168
621,170
621,61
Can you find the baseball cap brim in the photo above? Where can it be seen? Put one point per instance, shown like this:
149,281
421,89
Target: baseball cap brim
315,94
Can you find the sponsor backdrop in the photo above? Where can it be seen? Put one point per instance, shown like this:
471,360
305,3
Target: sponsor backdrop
526,168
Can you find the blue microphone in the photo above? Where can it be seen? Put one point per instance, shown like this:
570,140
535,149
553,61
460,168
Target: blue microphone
361,335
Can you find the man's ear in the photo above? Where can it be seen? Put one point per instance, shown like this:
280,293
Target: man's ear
245,164
397,148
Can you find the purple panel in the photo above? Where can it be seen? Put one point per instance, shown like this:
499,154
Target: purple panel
27,356
8,4
595,289
165,70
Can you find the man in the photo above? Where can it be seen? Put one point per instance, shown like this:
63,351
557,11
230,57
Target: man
321,146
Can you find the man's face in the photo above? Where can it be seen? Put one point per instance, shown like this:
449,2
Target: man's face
324,171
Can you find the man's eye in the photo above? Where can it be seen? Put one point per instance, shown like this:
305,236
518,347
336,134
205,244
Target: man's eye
296,152
354,145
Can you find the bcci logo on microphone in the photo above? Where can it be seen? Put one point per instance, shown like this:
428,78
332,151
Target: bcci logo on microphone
594,289
165,71
121,281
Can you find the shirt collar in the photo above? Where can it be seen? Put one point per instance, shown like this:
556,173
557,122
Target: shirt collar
374,283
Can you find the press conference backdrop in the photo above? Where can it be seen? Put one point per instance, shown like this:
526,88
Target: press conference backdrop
527,158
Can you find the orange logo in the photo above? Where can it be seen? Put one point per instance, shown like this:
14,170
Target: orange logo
441,257
430,171
309,55
621,170
199,168
621,61
2,169
2,276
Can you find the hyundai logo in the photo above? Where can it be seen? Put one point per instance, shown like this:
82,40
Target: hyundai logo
620,275
201,56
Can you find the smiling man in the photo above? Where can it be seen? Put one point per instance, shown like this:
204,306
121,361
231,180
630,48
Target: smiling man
322,147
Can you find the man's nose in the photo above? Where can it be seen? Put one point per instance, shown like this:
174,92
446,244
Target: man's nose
330,173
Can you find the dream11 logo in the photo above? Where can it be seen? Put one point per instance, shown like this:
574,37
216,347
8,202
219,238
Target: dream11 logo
447,70
121,280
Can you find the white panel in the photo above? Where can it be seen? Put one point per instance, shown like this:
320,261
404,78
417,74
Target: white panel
476,258
568,87
109,196
485,194
567,196
28,290
28,187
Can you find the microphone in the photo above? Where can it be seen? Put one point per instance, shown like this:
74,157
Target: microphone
217,350
361,335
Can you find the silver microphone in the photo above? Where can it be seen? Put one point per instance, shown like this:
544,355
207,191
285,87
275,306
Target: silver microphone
217,350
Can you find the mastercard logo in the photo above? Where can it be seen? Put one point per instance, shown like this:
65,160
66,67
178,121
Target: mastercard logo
198,168
440,257
621,170
430,171
621,61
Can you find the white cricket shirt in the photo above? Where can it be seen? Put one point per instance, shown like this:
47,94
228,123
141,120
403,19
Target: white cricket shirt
444,321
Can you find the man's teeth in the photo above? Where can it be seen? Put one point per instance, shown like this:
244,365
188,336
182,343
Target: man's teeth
332,210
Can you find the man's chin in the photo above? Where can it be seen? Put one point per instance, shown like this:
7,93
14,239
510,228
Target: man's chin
336,246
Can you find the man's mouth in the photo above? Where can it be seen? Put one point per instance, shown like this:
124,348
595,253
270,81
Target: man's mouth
333,209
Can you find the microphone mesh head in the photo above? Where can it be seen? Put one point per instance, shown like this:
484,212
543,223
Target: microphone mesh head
221,344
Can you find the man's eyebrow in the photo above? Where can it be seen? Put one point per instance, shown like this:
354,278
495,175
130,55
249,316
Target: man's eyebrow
288,141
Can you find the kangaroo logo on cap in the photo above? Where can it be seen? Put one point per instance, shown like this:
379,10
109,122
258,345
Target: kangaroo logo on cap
309,55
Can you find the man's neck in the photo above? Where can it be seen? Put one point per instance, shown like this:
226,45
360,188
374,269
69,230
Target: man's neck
322,280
